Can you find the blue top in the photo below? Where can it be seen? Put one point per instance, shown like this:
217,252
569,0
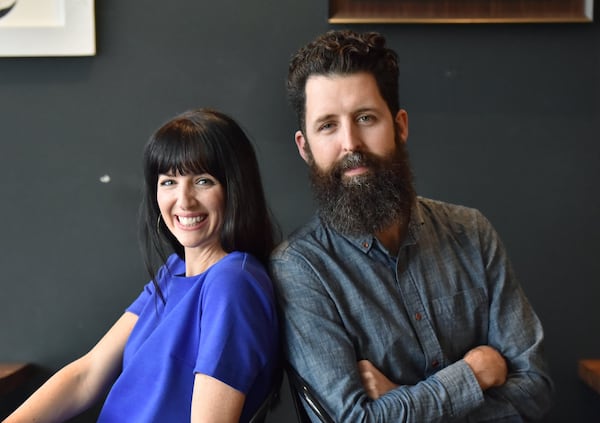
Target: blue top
221,323
414,316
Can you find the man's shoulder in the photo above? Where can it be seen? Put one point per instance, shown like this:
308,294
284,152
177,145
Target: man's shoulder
311,238
447,219
441,210
433,204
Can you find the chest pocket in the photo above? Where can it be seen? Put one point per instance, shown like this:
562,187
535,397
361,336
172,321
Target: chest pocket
461,321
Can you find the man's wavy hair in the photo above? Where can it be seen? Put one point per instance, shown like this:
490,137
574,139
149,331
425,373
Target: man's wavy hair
343,52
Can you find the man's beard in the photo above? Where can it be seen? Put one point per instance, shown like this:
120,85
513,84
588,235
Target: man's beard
367,203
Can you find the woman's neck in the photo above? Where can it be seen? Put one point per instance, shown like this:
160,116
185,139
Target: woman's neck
198,261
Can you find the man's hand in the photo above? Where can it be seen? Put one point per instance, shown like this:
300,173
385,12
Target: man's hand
488,366
374,382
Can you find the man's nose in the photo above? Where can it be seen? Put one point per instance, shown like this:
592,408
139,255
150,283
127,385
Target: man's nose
351,138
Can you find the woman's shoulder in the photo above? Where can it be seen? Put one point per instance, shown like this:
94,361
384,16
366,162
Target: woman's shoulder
175,263
239,268
242,261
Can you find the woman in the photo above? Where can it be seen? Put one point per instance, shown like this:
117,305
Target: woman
200,342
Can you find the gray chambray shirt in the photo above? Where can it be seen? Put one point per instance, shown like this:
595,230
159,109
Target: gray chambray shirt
414,316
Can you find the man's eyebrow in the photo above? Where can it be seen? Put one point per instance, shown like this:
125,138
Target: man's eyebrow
323,118
369,109
360,110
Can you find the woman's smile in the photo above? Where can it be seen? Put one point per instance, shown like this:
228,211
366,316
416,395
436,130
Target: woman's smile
190,222
193,207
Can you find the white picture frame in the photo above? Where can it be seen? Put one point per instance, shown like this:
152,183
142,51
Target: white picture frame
68,30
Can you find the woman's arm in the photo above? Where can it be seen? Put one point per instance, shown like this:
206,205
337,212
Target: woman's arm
78,385
215,402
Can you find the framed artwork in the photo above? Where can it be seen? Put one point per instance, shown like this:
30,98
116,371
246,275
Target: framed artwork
47,28
460,11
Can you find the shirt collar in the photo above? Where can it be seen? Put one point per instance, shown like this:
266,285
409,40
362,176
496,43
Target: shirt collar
415,224
366,242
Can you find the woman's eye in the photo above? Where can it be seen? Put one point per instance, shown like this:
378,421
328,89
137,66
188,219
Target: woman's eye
165,182
205,181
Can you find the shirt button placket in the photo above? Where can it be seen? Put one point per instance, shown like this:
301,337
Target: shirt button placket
434,363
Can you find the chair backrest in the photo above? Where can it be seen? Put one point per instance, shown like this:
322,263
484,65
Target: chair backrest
301,395
261,414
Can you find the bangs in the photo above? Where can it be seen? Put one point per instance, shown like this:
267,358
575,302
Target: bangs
177,149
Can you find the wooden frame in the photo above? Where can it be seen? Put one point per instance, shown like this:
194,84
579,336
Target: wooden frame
12,375
589,372
48,28
459,11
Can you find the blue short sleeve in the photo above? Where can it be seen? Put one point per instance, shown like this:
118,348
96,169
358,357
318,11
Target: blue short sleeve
173,265
237,322
140,302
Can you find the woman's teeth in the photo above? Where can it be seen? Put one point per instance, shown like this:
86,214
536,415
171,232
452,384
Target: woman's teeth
190,221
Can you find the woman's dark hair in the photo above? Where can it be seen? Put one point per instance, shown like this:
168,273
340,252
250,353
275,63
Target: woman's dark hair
206,141
343,52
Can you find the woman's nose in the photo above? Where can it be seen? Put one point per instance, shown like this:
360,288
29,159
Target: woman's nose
186,196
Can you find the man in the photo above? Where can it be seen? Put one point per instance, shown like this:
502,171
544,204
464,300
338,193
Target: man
394,307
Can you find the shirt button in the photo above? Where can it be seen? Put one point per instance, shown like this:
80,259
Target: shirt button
435,363
365,244
418,316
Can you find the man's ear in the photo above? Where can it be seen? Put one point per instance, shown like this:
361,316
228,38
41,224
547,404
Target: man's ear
300,143
402,122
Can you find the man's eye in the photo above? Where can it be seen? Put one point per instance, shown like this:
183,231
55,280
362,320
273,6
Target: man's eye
325,126
365,118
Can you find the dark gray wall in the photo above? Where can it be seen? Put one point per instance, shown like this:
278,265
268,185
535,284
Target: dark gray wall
502,117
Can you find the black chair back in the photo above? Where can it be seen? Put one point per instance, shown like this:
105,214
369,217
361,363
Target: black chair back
301,394
270,401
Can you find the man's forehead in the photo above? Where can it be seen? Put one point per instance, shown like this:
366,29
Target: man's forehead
332,94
